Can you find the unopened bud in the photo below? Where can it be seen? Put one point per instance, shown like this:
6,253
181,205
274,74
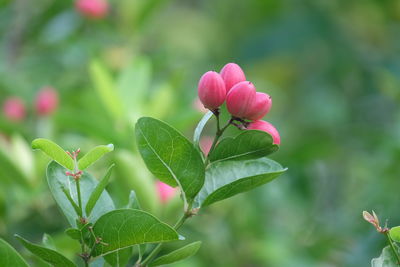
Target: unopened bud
266,127
211,90
240,99
373,219
232,74
94,9
14,109
46,101
165,192
260,107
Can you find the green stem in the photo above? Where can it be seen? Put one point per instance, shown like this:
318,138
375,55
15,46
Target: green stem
78,191
393,248
218,134
157,249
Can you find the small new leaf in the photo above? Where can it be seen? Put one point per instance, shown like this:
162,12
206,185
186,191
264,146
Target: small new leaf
395,234
49,255
98,191
54,151
93,155
177,255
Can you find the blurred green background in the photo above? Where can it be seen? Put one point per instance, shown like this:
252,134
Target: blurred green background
331,67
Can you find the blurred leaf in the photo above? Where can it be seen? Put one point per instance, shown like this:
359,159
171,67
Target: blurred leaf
57,179
199,129
93,155
96,193
48,241
395,233
22,151
386,259
119,258
73,233
133,201
127,227
228,178
133,85
162,102
46,254
250,144
98,262
104,85
10,172
170,156
54,151
9,256
177,255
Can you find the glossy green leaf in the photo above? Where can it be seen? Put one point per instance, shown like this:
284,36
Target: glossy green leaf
48,241
133,201
386,259
127,227
177,255
395,233
119,258
73,233
200,127
54,151
93,155
249,144
105,88
170,156
96,193
228,178
57,179
9,256
46,254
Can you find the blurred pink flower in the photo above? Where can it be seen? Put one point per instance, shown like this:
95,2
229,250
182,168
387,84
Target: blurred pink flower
165,192
14,109
95,9
205,144
199,106
46,101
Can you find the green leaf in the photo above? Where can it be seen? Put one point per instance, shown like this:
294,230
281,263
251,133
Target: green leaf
177,255
68,195
228,178
9,256
200,127
54,151
48,241
73,233
46,254
124,228
395,233
386,259
104,85
119,258
93,155
57,180
95,195
133,201
249,144
170,156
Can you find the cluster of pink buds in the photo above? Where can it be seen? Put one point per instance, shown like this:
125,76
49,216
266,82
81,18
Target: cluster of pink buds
46,103
243,102
76,174
93,9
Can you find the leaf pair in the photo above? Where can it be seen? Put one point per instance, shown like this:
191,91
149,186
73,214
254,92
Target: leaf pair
55,152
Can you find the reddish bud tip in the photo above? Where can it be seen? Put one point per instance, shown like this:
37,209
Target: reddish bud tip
240,99
211,90
260,107
14,109
94,9
46,101
232,74
165,192
266,127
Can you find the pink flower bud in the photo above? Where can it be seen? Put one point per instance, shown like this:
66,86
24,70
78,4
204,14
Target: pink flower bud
261,106
46,101
266,127
165,192
94,9
211,90
240,99
232,74
205,144
14,109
